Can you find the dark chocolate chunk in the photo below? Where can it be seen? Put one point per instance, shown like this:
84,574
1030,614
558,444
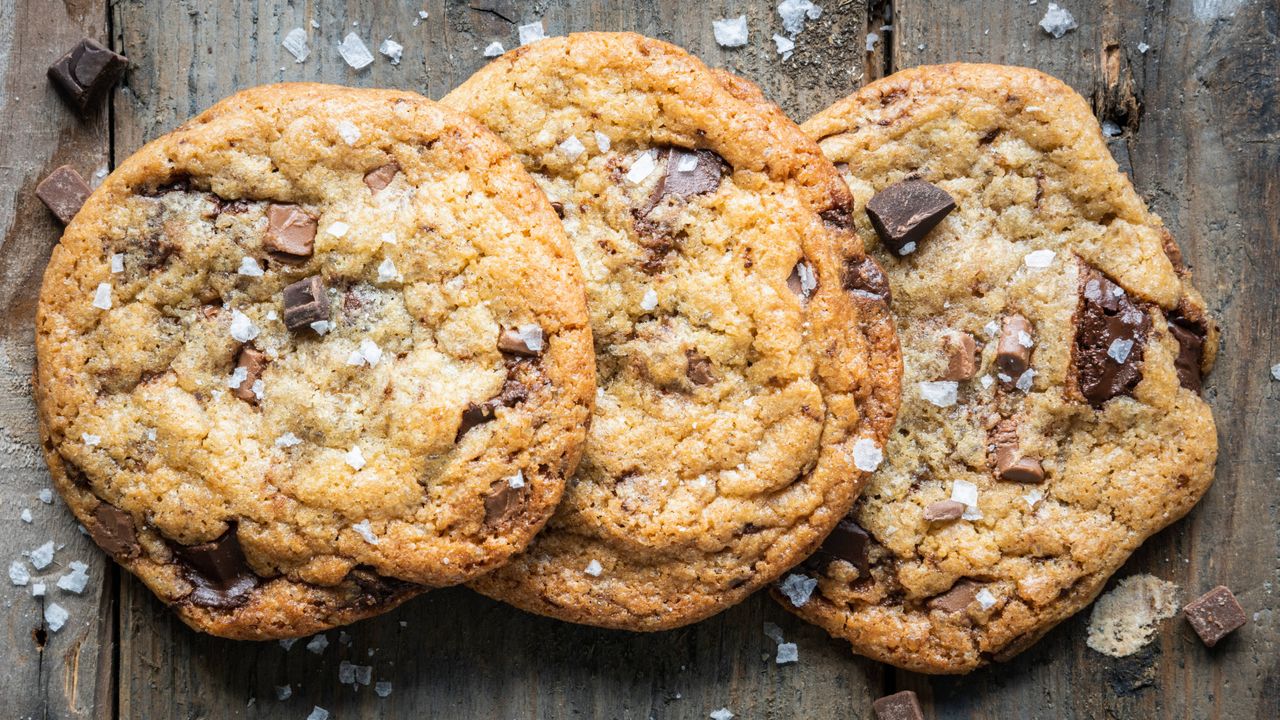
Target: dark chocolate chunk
305,302
525,340
86,72
380,177
803,280
375,589
254,361
1013,351
63,192
962,356
865,276
944,510
502,502
515,390
1111,334
218,570
1190,336
1214,615
906,211
1010,463
291,233
698,369
850,543
113,530
838,216
688,173
898,706
957,598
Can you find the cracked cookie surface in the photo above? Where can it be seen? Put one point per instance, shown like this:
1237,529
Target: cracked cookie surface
1051,418
736,373
310,352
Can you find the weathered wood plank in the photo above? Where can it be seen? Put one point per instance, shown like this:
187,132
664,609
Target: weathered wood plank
1201,140
460,655
64,674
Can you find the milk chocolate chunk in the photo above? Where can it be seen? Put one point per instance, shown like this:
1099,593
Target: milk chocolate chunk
254,361
86,72
1010,463
944,510
849,542
1013,350
1111,334
688,173
906,211
1190,336
699,369
380,177
291,233
113,530
514,391
1215,615
63,192
218,571
502,502
305,302
962,356
957,598
898,706
864,276
525,340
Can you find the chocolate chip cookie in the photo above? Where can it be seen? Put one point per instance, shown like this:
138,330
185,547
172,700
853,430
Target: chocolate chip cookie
312,351
744,392
1054,350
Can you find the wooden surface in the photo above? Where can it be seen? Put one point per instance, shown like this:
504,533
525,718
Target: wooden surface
1201,136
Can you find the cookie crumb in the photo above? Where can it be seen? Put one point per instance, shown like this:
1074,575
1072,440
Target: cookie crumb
730,32
1126,618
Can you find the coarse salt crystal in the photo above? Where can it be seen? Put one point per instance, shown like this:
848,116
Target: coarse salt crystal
494,49
985,599
784,46
1057,21
867,455
38,589
1033,496
45,495
238,377
392,49
321,327
1143,48
382,688
788,653
602,141
102,296
1025,380
1119,349
18,573
249,267
76,580
642,166
55,616
965,492
515,482
986,381
349,133
572,148
151,434
387,271
872,39
117,263
531,335
368,353
649,301
808,279
1039,259
90,439
992,328
284,692
295,41
365,532
907,249
346,673
532,32
318,713
26,515
730,32
242,328
42,556
317,644
354,52
287,643
1025,340
721,714
354,457
594,568
798,588
795,12
338,229
364,674
941,392
1275,371
288,440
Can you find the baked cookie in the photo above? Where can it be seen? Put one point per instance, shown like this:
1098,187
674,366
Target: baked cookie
1051,417
314,349
740,388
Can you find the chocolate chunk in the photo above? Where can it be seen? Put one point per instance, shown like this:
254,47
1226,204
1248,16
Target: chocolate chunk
864,276
944,510
305,302
559,208
472,415
1111,333
906,211
291,233
1010,463
803,280
1214,615
898,706
838,216
688,173
380,177
850,543
502,502
962,356
218,570
525,340
957,598
1013,351
515,390
375,589
698,369
1190,336
253,361
63,192
113,530
86,72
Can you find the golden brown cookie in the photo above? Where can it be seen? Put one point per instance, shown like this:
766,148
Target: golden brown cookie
741,385
1051,418
312,350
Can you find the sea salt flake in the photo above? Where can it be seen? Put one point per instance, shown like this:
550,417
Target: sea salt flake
26,515
867,455
532,32
76,580
594,568
387,271
494,49
872,39
1025,380
572,148
722,714
38,589
102,296
783,45
354,457
364,674
642,167
242,328
795,12
284,692
382,688
18,573
238,377
965,492
531,335
1119,349
1025,340
986,599
1039,259
1033,496
249,267
317,644
392,49
321,327
986,381
808,279
773,632
798,588
318,713
354,52
366,532
907,249
338,229
117,263
787,653
602,141
1110,129
515,482
55,616
295,41
1143,48
346,673
649,301
90,439
45,495
287,643
992,328
941,393
288,440
42,556
1275,371
730,32
350,134
1057,21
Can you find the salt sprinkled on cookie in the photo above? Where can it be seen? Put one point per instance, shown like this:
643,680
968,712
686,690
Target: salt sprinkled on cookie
730,32
339,228
102,296
867,455
986,600
594,568
941,392
649,301
288,440
354,457
362,528
572,148
602,141
90,440
242,328
117,263
515,482
642,166
249,267
350,134
1039,259
387,271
